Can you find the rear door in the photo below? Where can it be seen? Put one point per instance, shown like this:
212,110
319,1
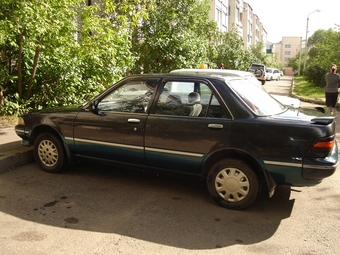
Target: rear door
179,142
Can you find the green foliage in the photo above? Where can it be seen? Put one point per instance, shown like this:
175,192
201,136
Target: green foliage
258,54
14,106
61,52
316,75
324,48
231,53
175,35
323,52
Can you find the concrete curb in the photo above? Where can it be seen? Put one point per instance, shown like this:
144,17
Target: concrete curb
16,159
12,153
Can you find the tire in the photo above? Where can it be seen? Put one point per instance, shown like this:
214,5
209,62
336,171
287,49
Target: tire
258,72
278,78
233,184
263,82
49,153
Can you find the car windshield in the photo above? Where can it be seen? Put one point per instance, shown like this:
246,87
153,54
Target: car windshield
257,99
268,70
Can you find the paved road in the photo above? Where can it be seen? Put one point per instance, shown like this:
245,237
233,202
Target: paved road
96,209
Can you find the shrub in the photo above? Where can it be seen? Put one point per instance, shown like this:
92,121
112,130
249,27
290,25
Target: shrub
315,75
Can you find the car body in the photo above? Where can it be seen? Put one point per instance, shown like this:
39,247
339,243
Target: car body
259,70
272,74
221,129
287,101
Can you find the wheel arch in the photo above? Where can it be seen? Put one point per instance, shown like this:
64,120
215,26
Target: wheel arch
263,173
47,128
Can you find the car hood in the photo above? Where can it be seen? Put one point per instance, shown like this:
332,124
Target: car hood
287,101
71,108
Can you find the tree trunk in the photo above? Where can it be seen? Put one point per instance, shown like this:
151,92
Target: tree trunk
2,101
34,70
20,38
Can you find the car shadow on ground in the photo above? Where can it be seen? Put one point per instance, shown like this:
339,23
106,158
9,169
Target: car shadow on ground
166,210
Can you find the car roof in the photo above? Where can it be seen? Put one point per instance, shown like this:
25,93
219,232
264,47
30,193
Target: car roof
213,72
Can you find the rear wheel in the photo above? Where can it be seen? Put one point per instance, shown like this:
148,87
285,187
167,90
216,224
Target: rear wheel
233,184
49,153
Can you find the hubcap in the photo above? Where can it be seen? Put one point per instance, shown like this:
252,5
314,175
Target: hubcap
232,184
48,153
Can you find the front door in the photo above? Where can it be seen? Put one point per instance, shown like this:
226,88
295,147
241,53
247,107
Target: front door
114,130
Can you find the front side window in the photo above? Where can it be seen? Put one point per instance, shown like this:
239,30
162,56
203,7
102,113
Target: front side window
131,97
192,99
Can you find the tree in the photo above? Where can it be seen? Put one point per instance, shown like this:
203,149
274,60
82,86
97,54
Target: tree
57,52
324,48
259,56
175,35
323,52
231,53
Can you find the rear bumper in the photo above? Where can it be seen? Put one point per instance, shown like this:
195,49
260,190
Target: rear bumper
320,168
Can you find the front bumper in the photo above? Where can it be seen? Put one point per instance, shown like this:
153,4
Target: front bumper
20,131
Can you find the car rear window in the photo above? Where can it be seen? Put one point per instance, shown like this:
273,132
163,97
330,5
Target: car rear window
258,100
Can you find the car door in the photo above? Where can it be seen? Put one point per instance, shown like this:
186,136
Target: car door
115,129
179,141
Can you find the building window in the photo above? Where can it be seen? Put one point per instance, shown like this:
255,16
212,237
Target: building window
287,52
288,46
218,15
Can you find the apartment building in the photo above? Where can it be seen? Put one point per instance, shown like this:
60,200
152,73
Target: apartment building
239,14
288,48
219,13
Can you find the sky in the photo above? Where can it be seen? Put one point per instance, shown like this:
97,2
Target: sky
281,18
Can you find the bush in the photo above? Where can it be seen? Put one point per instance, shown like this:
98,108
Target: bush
315,75
14,106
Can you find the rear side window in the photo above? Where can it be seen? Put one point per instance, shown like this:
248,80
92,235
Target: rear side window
192,99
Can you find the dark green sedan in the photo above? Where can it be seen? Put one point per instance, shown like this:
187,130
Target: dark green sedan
224,130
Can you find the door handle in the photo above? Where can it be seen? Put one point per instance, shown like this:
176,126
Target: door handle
133,120
215,126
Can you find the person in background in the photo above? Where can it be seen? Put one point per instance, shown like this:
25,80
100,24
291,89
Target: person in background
221,66
331,89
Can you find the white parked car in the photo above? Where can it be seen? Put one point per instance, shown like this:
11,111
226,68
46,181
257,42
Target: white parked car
285,100
272,74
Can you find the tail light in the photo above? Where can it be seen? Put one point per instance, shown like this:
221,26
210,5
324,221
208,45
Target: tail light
324,145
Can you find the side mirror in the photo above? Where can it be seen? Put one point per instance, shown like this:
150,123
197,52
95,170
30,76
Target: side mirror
93,106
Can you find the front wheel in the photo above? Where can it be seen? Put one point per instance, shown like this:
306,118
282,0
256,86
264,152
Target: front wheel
233,184
49,153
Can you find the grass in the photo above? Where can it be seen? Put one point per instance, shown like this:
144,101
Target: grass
306,89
